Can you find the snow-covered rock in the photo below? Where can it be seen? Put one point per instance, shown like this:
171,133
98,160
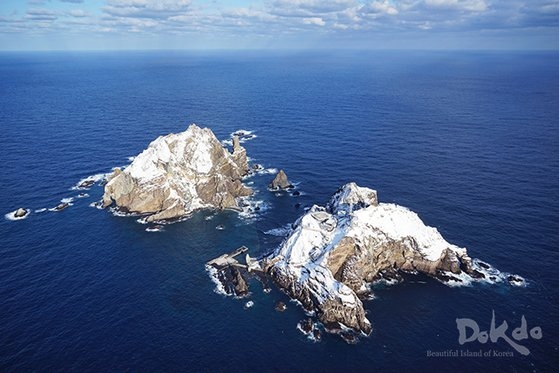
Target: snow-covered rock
178,174
333,253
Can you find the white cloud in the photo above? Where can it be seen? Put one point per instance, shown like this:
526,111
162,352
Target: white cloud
147,8
382,7
258,20
314,21
466,5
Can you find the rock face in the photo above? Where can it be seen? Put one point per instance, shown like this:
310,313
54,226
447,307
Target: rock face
334,252
280,182
178,174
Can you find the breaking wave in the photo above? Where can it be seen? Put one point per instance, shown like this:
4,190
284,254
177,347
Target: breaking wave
212,272
87,182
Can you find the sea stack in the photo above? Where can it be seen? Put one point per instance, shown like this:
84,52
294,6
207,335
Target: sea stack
280,182
178,174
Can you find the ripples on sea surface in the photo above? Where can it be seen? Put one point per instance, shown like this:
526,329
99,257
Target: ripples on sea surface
467,140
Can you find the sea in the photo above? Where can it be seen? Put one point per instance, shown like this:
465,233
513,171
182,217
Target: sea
468,140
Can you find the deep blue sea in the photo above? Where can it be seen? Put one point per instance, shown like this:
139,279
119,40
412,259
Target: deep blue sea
468,140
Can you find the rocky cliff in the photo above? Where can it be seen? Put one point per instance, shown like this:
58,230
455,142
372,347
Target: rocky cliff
334,252
178,174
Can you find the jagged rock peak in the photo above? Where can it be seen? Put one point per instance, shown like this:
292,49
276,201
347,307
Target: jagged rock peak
280,181
178,174
352,197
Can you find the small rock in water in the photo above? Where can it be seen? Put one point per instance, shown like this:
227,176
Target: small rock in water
349,337
476,274
306,326
280,306
86,184
317,335
155,228
296,193
249,304
483,265
21,212
280,182
61,206
220,227
515,280
446,278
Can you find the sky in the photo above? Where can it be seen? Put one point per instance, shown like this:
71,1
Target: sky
278,24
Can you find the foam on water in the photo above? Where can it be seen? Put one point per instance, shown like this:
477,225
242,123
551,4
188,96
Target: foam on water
156,228
268,171
244,136
98,205
212,272
90,179
253,208
117,212
279,232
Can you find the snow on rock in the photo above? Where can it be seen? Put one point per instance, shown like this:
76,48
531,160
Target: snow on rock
178,174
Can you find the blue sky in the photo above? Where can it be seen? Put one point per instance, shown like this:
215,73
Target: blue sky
278,24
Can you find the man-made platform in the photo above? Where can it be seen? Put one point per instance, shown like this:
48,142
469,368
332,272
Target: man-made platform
229,259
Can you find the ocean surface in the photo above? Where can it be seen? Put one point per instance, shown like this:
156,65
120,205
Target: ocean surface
468,140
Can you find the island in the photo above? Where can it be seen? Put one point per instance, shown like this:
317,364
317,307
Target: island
178,174
335,252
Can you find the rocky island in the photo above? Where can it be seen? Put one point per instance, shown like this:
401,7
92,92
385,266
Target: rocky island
178,174
334,253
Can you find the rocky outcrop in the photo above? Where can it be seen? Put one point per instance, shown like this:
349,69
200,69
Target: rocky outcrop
334,252
280,182
61,206
232,281
178,174
21,213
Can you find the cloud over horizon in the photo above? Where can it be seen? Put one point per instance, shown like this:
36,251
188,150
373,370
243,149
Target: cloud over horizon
281,23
